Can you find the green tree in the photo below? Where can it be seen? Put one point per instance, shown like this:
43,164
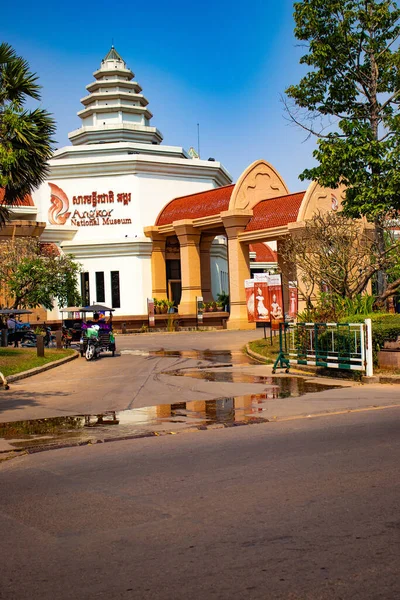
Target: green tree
336,257
32,275
25,135
349,99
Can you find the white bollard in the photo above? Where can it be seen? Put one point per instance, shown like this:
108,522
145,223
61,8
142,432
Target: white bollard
369,359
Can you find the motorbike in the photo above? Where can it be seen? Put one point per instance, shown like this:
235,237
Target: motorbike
93,345
28,339
67,337
92,349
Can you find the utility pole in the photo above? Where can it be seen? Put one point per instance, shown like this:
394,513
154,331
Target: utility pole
198,139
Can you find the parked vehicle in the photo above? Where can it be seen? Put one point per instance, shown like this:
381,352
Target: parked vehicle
16,330
67,337
72,325
93,344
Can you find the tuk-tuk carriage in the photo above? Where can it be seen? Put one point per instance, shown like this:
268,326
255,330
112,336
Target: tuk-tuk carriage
98,326
71,325
19,332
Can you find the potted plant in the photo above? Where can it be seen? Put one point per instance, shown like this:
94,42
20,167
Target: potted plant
156,306
220,306
164,306
223,299
170,306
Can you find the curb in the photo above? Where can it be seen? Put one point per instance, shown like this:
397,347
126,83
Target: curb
47,367
269,362
257,356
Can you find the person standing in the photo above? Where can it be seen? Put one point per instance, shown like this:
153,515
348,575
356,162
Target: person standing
12,326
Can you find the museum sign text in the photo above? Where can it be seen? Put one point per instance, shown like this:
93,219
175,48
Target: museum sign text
99,216
92,210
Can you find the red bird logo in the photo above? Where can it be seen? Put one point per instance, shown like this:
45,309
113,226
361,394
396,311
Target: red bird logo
59,205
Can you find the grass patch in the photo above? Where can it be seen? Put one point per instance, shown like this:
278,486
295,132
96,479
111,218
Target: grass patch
264,348
17,360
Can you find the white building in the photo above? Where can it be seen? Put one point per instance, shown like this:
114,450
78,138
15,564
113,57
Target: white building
112,182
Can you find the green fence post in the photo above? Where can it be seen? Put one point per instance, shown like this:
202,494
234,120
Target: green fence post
282,359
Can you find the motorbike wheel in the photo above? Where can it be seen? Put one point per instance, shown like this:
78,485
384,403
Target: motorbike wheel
90,353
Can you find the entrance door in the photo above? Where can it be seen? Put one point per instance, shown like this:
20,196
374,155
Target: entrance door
174,280
175,290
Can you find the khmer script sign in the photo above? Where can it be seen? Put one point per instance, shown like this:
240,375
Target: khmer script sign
93,211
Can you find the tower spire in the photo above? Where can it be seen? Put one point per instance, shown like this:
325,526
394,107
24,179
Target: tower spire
115,110
112,54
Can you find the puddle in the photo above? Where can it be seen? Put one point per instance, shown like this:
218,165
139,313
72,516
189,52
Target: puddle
42,434
213,356
288,386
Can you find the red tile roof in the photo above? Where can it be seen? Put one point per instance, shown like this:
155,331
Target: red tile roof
263,253
275,212
27,200
202,204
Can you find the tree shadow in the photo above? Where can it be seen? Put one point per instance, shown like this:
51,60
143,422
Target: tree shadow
10,399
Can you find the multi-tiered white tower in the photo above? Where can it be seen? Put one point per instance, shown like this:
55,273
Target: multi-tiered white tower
111,182
115,110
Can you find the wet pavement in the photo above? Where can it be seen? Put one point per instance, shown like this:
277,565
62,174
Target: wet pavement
41,434
225,357
287,385
158,389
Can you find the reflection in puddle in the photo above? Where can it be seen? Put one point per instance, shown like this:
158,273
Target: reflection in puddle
213,356
287,386
81,429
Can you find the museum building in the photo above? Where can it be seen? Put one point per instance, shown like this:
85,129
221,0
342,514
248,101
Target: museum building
150,220
111,182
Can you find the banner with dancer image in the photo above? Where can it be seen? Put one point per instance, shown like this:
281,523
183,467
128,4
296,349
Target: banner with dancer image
264,299
261,298
275,300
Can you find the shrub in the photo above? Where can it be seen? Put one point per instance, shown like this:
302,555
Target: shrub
385,328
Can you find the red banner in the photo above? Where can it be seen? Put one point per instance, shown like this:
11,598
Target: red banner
276,297
261,301
264,299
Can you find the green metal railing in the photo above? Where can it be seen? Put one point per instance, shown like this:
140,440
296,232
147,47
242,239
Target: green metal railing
332,345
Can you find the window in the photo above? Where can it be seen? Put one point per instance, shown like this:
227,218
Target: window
115,297
100,294
85,289
173,268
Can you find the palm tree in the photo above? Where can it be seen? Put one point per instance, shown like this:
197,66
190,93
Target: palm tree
25,135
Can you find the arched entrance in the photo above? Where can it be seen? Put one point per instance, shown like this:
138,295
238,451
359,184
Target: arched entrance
259,208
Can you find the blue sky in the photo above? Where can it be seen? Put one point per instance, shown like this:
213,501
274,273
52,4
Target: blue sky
222,64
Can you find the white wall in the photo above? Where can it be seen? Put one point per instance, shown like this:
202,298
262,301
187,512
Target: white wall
219,267
134,281
149,194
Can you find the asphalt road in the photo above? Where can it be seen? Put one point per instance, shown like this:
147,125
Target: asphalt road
306,509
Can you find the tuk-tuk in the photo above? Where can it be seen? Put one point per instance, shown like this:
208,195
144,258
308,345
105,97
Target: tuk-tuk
105,337
71,325
19,332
